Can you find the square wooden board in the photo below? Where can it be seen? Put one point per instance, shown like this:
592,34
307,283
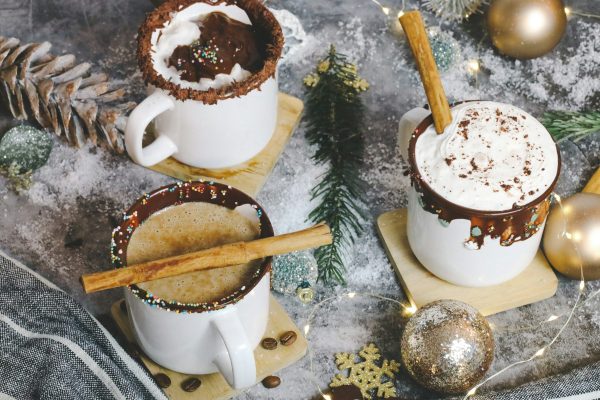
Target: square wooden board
250,176
213,386
537,282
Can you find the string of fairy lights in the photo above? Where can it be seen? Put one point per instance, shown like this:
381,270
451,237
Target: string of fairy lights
582,287
473,66
409,309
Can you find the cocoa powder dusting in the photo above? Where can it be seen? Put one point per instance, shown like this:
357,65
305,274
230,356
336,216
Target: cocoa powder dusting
517,224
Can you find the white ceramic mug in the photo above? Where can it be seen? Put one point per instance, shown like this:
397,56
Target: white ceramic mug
440,245
219,135
214,128
198,338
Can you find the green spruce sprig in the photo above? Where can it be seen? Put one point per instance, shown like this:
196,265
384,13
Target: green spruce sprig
564,125
335,122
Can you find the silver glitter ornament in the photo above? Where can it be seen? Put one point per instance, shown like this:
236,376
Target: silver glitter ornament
445,49
447,346
293,271
25,146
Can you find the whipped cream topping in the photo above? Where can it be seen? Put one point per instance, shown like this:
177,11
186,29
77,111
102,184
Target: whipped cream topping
492,157
183,29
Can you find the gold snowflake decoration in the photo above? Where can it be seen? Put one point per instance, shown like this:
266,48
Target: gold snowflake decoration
366,375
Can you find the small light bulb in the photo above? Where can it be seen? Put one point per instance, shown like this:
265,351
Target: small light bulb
567,11
306,329
326,397
471,392
581,286
556,196
552,318
385,10
351,295
568,235
400,13
540,352
410,310
473,66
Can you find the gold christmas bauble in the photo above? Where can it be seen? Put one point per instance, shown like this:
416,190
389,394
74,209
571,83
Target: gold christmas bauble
572,236
526,28
447,346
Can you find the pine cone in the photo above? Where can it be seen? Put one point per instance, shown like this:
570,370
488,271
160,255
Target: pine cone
60,95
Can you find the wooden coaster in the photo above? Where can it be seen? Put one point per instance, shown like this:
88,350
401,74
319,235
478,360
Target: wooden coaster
250,176
214,386
537,282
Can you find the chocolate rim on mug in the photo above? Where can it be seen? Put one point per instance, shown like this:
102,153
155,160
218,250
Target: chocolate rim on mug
516,224
173,195
263,21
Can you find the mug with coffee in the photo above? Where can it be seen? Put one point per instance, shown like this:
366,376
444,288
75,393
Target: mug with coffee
480,191
207,321
212,73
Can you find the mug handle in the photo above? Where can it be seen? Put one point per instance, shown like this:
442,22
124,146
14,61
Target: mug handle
407,125
238,366
162,147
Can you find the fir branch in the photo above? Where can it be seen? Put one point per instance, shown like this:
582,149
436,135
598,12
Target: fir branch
574,126
335,115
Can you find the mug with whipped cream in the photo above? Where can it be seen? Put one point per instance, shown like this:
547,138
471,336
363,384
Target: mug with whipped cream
211,68
480,191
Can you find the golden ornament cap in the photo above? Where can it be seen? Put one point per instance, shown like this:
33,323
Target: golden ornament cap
305,294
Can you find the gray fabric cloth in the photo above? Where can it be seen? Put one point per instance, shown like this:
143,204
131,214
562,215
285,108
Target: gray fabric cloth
579,384
52,348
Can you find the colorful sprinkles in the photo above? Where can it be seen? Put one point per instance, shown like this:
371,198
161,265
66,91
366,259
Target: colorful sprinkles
205,53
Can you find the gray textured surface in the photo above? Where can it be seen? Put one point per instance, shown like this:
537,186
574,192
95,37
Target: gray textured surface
78,192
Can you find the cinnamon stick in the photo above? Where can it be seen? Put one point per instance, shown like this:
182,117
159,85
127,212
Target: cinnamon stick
216,257
414,28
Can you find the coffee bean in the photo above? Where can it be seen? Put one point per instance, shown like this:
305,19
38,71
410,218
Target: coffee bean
288,338
191,384
123,307
162,380
269,343
271,382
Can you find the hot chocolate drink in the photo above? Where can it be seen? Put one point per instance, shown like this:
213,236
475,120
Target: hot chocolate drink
492,157
191,227
204,62
205,46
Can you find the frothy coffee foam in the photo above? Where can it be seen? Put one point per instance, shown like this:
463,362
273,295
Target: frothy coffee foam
493,156
191,227
183,29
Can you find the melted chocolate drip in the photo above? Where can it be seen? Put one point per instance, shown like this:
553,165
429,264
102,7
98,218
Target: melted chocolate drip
517,224
223,43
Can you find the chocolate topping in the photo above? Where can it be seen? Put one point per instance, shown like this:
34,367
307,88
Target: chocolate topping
223,43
